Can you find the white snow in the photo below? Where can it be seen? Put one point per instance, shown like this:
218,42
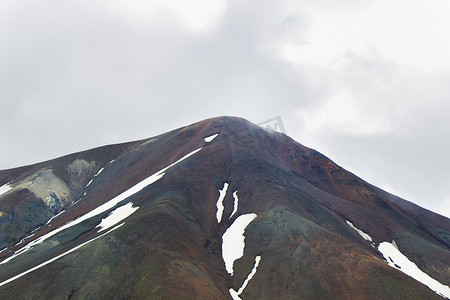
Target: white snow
361,233
36,229
116,216
391,252
249,277
95,175
55,258
54,217
89,183
181,159
233,240
24,239
102,208
4,189
219,203
236,201
233,293
210,138
99,171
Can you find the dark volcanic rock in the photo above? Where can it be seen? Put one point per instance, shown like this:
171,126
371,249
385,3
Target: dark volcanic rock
171,246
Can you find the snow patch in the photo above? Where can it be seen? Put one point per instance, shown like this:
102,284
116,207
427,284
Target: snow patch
210,138
236,201
4,189
361,233
48,222
89,183
233,240
178,161
99,171
250,276
55,258
95,175
397,260
116,216
233,293
102,208
24,239
219,203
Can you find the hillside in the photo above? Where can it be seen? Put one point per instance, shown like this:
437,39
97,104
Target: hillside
166,218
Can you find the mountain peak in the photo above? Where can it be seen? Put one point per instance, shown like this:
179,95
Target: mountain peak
219,209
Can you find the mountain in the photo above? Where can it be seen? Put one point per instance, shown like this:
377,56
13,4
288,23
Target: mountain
220,209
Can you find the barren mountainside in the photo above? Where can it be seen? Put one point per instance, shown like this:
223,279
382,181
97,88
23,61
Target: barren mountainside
220,209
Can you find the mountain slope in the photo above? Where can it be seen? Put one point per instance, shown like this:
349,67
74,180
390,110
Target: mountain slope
169,204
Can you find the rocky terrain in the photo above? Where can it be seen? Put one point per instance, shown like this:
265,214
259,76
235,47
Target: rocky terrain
220,209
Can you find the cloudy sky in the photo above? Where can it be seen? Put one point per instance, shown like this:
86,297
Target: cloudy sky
367,83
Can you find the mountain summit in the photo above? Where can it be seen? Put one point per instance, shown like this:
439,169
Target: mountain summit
220,209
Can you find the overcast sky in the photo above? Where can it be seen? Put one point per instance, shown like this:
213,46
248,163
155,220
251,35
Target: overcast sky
366,83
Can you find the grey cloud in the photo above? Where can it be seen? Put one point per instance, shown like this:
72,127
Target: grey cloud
412,157
78,75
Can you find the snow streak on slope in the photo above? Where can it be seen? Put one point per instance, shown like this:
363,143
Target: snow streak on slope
236,202
116,216
24,239
55,258
361,233
233,293
399,261
219,204
50,220
210,138
233,240
89,183
99,171
4,189
95,175
102,208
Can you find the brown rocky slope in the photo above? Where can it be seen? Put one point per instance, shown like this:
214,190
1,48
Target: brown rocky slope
170,246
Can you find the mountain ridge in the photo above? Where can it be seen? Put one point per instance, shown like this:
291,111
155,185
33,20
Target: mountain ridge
299,196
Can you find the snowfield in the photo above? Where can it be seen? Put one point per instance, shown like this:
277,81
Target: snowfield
233,240
397,260
116,216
